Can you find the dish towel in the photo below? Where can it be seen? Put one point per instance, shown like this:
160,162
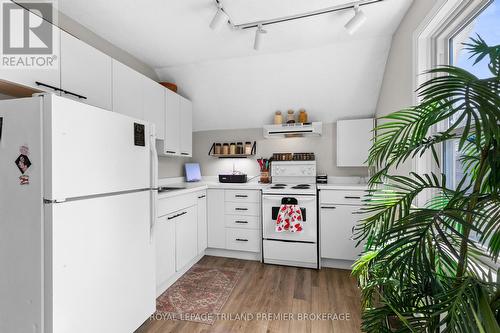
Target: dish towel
289,219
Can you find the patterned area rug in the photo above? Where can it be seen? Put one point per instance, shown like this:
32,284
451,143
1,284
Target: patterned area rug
199,294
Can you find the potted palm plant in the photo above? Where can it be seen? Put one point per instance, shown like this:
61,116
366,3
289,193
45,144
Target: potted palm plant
433,267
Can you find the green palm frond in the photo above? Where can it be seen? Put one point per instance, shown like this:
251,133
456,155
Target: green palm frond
432,268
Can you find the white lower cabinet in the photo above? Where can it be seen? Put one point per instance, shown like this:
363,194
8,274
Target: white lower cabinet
186,236
234,220
337,222
165,249
202,222
216,224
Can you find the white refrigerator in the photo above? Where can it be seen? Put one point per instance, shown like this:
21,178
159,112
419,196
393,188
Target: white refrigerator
77,210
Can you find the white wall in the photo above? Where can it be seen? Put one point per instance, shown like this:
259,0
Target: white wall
398,84
333,82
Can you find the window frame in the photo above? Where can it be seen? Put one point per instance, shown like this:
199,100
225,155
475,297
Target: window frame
431,48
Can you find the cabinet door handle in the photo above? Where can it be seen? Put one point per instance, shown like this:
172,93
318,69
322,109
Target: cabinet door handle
328,207
349,197
241,196
201,197
38,83
73,94
240,208
241,240
241,222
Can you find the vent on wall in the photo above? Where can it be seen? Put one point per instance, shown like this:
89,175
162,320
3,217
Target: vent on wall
293,130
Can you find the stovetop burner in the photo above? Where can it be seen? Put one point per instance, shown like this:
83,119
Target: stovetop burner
302,187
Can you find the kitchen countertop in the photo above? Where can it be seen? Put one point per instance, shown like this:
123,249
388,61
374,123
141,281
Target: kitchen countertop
205,183
344,183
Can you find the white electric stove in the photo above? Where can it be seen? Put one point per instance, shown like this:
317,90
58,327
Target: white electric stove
292,182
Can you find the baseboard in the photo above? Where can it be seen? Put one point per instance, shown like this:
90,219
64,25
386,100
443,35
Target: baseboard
165,285
256,256
336,263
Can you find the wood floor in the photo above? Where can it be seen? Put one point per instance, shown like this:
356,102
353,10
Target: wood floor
279,289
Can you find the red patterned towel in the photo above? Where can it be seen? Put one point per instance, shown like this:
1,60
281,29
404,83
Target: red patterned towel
289,219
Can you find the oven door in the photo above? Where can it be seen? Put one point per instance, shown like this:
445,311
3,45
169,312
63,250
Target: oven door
270,206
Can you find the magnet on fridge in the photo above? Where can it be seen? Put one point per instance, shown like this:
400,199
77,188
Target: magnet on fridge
24,180
22,161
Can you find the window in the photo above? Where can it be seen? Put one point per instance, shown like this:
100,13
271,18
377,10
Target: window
484,23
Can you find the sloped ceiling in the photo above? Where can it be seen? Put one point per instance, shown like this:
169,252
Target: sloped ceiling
311,63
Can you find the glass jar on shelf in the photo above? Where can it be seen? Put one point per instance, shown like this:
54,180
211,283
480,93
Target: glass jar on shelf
218,149
232,149
225,149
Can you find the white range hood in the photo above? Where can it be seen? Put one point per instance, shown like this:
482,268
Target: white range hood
293,130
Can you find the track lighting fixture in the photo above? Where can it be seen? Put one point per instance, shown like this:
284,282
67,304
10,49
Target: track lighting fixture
258,37
219,19
356,21
352,25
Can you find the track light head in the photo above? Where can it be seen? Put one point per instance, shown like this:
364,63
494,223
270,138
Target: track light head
356,21
219,19
258,37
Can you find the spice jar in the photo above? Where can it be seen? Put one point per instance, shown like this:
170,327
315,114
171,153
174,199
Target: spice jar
239,148
278,118
290,118
225,149
218,149
232,149
248,148
302,116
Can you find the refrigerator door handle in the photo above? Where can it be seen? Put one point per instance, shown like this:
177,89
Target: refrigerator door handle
154,180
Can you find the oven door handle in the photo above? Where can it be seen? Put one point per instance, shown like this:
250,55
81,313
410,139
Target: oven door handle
278,198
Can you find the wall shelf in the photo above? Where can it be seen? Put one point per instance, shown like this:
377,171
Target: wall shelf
212,153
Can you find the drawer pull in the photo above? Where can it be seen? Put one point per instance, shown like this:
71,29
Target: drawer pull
240,208
241,196
349,197
241,240
176,216
202,196
242,222
170,152
185,154
326,207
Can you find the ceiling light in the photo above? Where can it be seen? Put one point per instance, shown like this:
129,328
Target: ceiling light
219,19
258,37
356,21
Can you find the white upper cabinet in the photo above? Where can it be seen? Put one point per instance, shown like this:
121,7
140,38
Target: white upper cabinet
354,140
186,135
154,105
172,124
48,79
86,72
127,91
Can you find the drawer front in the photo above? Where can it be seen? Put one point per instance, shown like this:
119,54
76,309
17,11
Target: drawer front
243,208
242,222
172,204
243,239
242,196
342,197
